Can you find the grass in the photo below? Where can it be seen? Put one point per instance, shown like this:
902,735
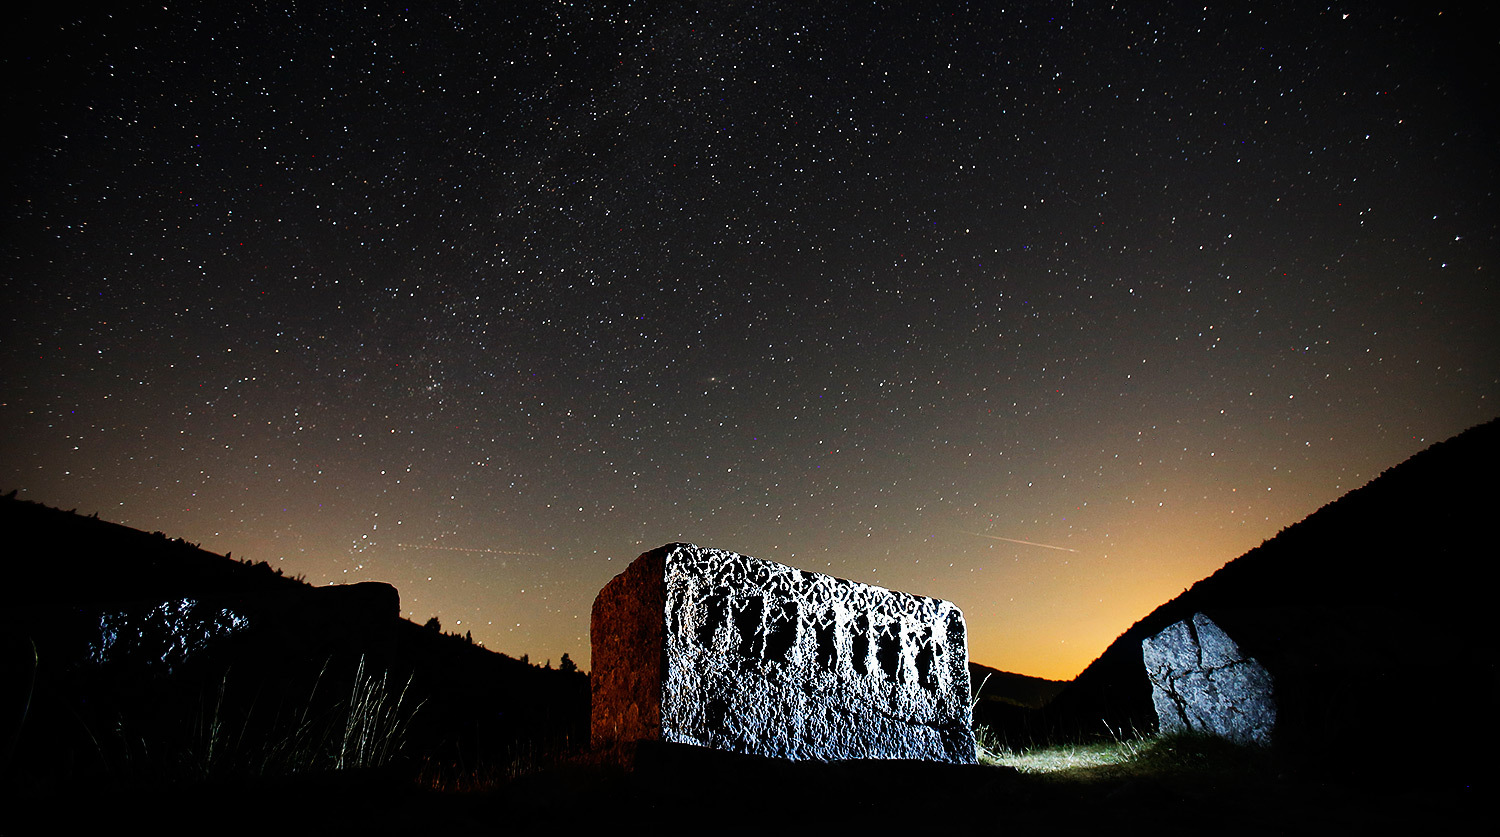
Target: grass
1187,759
375,722
524,757
1066,758
236,730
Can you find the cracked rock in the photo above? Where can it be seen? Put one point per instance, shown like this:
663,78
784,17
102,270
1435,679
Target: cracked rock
1201,682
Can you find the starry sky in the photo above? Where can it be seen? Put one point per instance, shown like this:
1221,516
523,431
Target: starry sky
1046,308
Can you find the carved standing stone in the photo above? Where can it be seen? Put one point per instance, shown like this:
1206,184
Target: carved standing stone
1201,682
707,647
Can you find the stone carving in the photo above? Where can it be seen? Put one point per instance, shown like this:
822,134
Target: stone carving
702,646
165,634
1201,682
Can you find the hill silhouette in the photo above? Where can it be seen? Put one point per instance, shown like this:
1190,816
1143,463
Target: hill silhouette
1378,599
991,685
1008,703
149,659
1377,605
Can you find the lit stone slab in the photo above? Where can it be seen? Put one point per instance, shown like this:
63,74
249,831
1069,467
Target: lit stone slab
1201,682
702,646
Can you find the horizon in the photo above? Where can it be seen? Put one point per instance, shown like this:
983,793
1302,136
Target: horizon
1046,311
586,666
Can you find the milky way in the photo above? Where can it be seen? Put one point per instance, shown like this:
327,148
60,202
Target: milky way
485,299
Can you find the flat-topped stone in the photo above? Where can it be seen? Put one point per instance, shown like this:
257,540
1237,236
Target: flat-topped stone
701,646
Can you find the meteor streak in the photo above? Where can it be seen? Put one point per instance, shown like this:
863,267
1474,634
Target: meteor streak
466,549
1013,540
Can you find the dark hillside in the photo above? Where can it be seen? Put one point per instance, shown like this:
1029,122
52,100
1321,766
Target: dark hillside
59,557
1006,704
991,685
148,659
1380,599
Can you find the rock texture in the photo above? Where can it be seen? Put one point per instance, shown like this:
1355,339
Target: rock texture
1361,615
702,646
1201,682
164,635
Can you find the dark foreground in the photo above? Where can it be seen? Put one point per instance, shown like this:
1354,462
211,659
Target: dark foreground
673,789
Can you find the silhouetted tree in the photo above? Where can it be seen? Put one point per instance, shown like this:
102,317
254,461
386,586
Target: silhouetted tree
434,625
566,664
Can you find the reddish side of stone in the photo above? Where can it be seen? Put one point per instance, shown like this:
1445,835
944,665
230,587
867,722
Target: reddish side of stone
627,634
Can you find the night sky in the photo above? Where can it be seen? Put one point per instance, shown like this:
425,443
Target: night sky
1049,309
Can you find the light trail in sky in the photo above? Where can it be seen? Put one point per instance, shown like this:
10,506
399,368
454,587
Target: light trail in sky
1013,540
466,549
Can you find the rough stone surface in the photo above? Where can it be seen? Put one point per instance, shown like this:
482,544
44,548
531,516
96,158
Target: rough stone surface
702,646
1201,682
165,634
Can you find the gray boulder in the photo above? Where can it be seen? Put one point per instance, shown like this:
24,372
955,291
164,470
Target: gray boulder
1201,682
702,646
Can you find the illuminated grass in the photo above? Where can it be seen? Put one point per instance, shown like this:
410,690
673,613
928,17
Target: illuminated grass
1068,757
1062,758
1193,757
